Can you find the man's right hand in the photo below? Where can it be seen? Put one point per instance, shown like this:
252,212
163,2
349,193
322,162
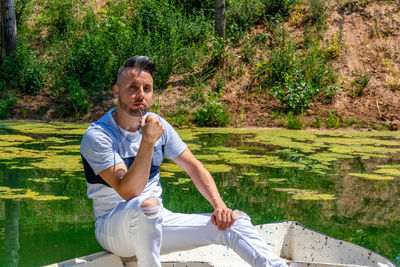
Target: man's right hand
152,129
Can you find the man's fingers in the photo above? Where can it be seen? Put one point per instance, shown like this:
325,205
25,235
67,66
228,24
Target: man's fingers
213,219
149,117
225,220
218,219
232,219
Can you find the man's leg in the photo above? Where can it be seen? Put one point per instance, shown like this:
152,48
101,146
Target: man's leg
187,231
133,228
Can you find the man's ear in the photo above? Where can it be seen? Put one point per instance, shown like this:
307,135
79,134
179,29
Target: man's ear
116,90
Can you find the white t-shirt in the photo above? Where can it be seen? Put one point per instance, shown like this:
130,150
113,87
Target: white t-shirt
105,144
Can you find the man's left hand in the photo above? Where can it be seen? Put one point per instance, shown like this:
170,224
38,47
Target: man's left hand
222,218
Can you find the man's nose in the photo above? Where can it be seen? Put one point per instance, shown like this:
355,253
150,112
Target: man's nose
140,93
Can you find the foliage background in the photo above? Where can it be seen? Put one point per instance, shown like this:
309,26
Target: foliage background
69,52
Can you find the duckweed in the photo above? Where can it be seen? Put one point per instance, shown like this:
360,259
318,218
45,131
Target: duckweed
181,181
372,176
305,194
356,141
394,172
254,160
217,167
170,167
285,142
43,180
167,174
251,174
60,128
225,149
326,158
342,149
211,157
18,152
60,162
12,138
394,166
193,146
69,148
187,134
277,180
11,193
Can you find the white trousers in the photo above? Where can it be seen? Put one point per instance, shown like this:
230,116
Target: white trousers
128,231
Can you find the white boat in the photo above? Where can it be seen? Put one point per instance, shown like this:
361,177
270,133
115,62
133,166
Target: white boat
301,246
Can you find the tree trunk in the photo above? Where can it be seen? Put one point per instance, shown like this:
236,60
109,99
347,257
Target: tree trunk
220,18
8,28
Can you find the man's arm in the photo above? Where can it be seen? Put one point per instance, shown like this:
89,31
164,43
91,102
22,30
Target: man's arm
222,216
130,183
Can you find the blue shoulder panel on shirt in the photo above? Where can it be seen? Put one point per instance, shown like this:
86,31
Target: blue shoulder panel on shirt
158,155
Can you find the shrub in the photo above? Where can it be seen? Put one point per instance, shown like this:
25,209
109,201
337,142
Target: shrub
78,97
59,18
217,49
241,15
317,122
333,120
278,9
295,93
23,71
349,122
296,78
212,114
94,49
7,101
359,84
318,13
248,50
293,122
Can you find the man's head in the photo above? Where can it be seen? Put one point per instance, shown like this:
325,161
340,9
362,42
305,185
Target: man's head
141,62
134,88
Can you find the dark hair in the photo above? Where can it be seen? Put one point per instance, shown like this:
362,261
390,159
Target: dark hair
142,62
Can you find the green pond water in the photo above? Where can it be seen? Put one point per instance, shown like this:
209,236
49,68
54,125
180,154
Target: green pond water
343,183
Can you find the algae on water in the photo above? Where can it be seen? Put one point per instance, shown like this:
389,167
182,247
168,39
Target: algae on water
370,176
11,193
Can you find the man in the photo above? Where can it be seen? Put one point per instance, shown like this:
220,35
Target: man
122,153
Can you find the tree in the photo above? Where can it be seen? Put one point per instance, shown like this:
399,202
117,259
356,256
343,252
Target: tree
220,18
8,28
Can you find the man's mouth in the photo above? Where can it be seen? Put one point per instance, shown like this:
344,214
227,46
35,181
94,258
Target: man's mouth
141,108
139,105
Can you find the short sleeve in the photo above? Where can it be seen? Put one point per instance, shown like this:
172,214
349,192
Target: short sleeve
99,150
173,144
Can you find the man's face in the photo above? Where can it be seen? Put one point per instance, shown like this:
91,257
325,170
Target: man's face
134,90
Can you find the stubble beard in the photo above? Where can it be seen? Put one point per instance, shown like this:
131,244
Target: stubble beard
125,107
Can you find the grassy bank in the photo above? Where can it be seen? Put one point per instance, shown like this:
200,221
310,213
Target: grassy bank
69,52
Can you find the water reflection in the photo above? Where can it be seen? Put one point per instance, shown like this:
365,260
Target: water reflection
11,239
38,231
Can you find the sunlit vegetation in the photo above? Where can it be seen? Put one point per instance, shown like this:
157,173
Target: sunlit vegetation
72,49
11,193
304,194
372,176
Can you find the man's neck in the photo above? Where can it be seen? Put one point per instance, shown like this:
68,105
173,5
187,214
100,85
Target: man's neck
125,120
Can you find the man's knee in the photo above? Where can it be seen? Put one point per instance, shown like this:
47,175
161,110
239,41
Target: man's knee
238,213
150,206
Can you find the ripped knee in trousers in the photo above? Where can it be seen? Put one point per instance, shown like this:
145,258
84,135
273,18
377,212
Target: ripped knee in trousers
150,206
